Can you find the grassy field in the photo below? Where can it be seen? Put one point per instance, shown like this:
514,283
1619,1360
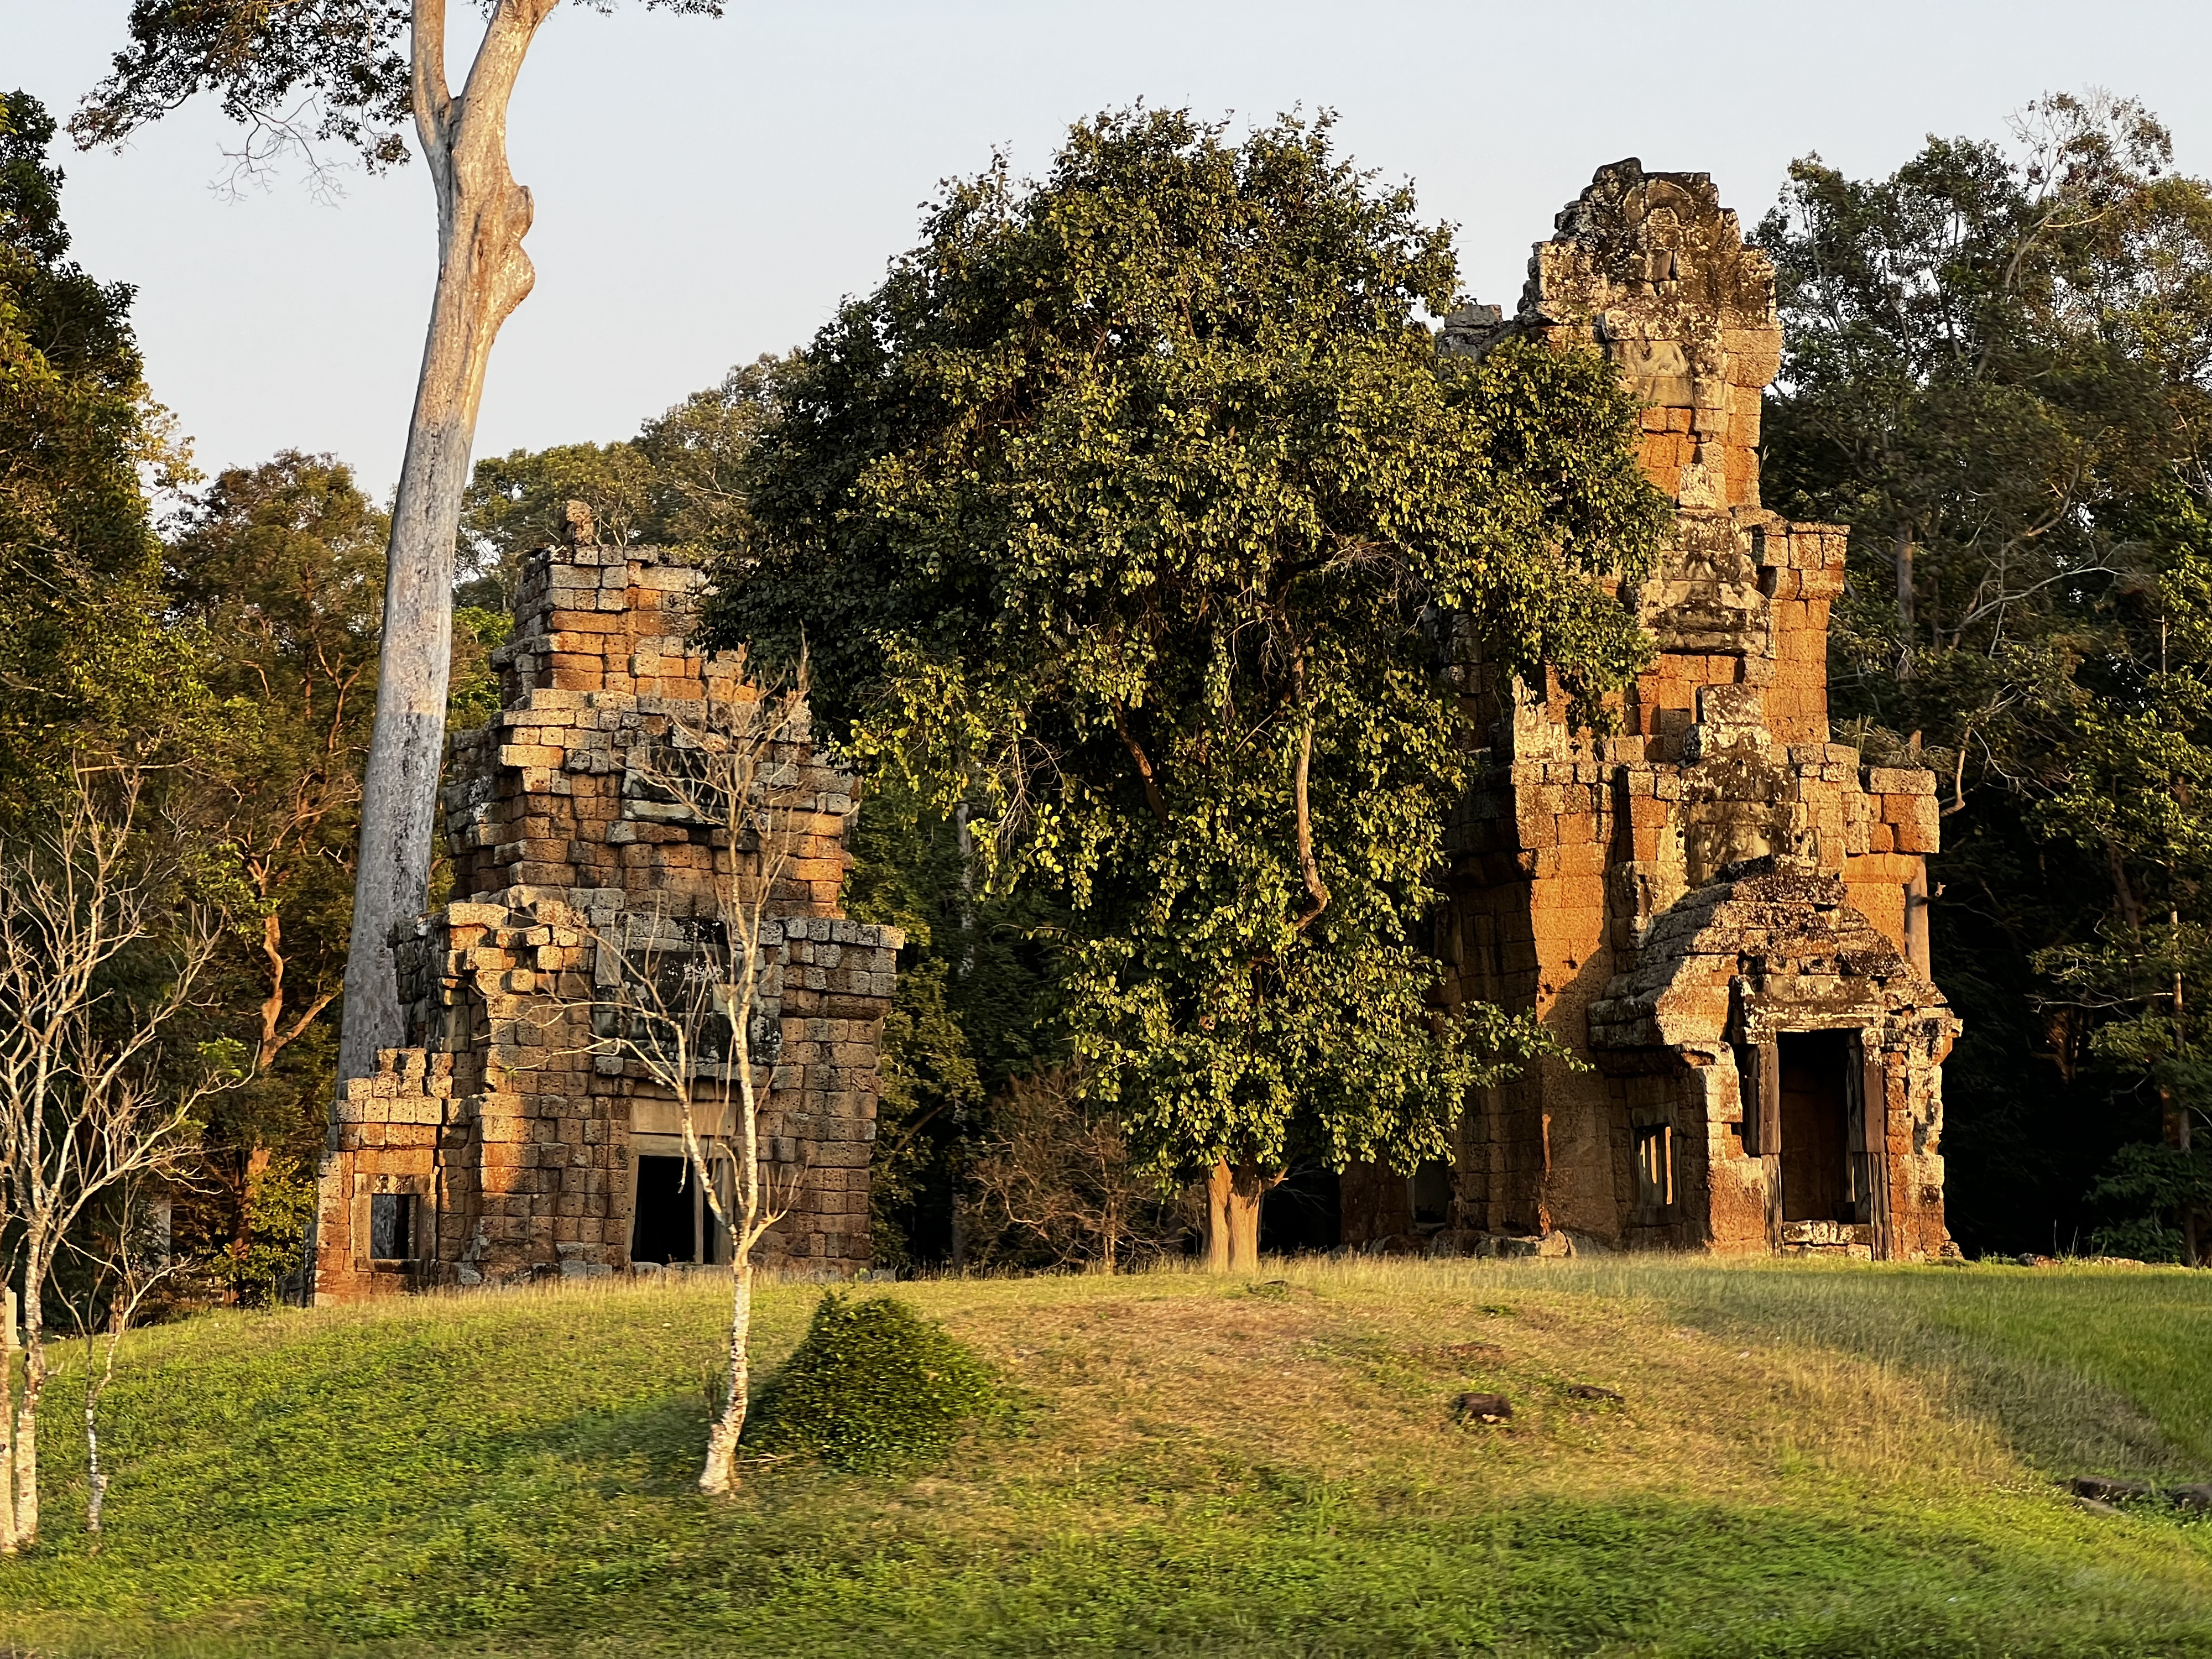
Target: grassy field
1807,1460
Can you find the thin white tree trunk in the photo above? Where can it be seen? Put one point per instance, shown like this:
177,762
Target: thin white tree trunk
719,1475
85,1103
95,1478
10,1541
483,275
27,1419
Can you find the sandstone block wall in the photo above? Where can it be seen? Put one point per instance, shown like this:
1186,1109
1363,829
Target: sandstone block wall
513,1142
1718,851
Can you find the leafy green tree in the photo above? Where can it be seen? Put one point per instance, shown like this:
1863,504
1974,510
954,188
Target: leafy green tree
697,451
2145,983
1136,511
1995,369
677,483
928,1092
977,1006
81,657
517,501
1989,353
2138,765
274,578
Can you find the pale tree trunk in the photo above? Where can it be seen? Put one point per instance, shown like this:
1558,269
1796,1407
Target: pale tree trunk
2191,1252
1232,1218
483,275
10,1541
664,1038
26,1448
95,1478
720,1474
86,1104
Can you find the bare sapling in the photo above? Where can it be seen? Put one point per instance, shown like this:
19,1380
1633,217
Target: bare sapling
692,1008
121,1271
1058,1172
88,1101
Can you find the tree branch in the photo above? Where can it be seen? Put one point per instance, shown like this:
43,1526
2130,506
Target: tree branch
434,102
1153,798
1317,892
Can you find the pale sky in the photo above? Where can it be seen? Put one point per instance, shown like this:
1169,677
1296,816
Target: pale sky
708,191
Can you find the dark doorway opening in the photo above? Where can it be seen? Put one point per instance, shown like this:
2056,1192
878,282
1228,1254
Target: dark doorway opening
665,1224
1303,1212
1816,1113
1429,1194
392,1226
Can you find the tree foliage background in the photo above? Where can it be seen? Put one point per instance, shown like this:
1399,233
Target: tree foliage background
80,646
1128,525
1132,516
1996,369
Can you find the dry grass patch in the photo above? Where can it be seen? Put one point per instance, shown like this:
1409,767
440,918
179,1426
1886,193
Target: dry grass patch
1355,1381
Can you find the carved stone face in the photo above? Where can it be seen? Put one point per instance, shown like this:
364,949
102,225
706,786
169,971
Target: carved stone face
1722,831
1661,236
1705,597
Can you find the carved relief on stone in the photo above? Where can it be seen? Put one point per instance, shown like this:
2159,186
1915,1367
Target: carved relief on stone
1704,599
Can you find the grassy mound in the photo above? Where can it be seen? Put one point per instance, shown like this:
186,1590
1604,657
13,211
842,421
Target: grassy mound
1805,1460
871,1385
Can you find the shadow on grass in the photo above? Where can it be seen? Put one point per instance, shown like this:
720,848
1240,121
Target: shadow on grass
2036,1361
1534,1580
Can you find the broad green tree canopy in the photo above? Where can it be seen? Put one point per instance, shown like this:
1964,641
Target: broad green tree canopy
1138,509
1996,369
78,560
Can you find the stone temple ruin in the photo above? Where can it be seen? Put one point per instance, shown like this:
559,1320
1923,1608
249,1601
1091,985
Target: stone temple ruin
1720,911
499,1147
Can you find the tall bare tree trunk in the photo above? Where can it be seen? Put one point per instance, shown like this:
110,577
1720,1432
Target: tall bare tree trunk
9,1346
483,275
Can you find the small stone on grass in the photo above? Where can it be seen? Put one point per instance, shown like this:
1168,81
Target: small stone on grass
1591,1391
1483,1408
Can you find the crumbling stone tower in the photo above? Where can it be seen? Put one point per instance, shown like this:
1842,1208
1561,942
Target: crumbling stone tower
1718,910
499,1147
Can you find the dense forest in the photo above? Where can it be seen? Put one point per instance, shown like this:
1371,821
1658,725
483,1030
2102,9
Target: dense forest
1997,366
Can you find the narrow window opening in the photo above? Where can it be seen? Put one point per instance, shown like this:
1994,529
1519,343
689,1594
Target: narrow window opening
392,1226
1429,1194
1654,1165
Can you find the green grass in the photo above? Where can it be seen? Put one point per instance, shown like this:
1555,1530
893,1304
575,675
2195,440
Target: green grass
1807,1460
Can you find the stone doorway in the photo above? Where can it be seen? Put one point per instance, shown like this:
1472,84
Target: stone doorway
670,1223
1821,1180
